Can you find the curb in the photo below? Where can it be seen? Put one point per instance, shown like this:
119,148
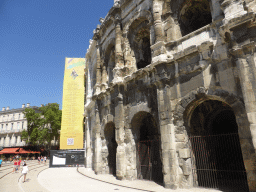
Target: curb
112,183
41,171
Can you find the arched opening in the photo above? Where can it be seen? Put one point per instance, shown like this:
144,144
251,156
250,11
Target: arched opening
139,39
217,157
194,15
148,155
109,133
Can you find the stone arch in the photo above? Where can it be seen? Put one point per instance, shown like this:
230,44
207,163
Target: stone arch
109,60
108,149
189,12
139,14
137,40
108,46
145,140
185,107
136,109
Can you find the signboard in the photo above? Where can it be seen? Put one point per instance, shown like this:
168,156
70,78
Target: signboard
66,158
71,135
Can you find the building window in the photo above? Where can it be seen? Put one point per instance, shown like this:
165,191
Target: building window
6,126
19,115
194,15
139,39
22,124
11,126
18,125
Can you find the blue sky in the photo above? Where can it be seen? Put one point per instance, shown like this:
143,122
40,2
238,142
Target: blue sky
35,38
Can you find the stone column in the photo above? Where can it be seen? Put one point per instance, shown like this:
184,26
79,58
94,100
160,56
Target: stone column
120,134
88,163
104,78
129,60
97,144
158,49
98,71
247,74
245,60
158,21
89,85
232,9
119,57
167,130
172,29
216,10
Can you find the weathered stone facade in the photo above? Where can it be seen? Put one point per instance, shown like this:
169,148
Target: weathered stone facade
165,71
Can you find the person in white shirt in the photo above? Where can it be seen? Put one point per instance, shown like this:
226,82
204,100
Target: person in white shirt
44,159
25,171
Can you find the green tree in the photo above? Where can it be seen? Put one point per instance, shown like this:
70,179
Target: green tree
42,127
51,122
34,123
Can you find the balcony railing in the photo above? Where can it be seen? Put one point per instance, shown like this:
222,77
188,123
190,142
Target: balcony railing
11,131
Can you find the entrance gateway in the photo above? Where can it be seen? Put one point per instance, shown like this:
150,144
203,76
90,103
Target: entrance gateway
217,160
150,165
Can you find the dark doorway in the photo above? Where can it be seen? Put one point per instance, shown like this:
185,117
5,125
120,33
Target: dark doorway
216,148
111,145
148,147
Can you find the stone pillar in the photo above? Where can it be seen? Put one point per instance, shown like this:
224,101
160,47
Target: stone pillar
232,9
119,57
98,71
120,134
167,131
158,21
129,59
104,78
245,60
172,29
88,163
158,49
97,144
89,85
216,10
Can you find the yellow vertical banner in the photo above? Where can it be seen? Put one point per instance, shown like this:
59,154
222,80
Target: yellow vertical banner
71,136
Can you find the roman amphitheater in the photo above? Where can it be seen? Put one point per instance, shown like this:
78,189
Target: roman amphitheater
171,93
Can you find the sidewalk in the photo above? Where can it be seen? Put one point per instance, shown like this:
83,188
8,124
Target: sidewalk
31,183
142,185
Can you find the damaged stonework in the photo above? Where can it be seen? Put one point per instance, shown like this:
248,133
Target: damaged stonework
166,80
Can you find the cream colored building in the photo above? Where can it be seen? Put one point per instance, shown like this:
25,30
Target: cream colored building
12,123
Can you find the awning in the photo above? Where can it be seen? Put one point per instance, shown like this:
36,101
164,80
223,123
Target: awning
9,151
16,151
23,151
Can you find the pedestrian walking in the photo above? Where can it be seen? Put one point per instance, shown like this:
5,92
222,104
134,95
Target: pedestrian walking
38,159
44,159
24,171
19,164
1,162
15,164
24,162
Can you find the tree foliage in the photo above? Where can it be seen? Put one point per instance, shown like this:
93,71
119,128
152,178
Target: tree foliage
42,127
